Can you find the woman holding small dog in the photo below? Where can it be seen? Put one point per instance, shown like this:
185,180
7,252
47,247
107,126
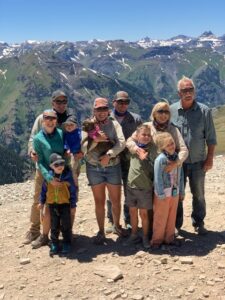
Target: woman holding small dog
103,166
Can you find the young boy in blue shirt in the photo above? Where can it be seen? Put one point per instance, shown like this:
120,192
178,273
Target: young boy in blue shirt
61,200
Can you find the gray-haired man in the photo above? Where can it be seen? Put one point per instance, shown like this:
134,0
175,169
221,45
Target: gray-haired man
195,122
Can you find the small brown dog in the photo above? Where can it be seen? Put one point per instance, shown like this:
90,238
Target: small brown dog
92,128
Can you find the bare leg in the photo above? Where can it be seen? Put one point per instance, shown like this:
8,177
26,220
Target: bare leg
99,197
46,221
145,222
134,219
115,197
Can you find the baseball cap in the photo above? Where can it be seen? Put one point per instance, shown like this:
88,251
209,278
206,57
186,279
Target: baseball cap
101,102
58,93
121,95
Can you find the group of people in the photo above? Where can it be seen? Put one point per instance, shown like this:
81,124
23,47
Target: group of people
153,161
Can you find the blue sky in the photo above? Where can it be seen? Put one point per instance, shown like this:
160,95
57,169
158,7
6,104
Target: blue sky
131,20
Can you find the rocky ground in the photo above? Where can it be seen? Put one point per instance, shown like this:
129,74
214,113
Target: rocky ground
196,270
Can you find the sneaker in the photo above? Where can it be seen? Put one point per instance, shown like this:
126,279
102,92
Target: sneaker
99,239
42,240
201,230
109,227
66,248
146,242
134,239
121,232
155,247
54,249
128,225
30,237
177,232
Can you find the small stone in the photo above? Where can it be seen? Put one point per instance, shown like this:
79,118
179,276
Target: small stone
137,297
1,286
110,280
2,296
205,294
164,260
211,283
191,289
156,262
109,271
140,254
186,260
221,266
58,295
176,269
24,261
22,287
218,279
124,296
107,292
115,296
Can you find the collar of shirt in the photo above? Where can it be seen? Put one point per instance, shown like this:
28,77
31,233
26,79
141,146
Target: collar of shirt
193,107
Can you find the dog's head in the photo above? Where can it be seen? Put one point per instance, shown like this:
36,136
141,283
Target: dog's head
88,125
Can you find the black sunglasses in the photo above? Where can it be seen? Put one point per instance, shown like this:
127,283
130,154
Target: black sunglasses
163,111
49,118
188,90
60,164
123,102
60,101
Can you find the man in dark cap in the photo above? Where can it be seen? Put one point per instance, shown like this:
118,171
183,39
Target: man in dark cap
129,122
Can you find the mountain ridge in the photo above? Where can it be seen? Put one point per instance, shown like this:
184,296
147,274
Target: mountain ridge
147,69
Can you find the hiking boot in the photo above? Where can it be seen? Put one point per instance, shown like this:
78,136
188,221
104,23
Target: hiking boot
66,248
99,239
146,242
54,249
109,227
30,237
177,232
121,232
128,225
42,240
201,230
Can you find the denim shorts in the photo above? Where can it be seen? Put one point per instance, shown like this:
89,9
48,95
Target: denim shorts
97,174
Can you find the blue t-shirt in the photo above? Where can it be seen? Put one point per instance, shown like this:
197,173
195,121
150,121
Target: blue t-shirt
72,141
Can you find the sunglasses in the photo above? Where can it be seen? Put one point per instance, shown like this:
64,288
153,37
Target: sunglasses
49,118
188,90
60,164
101,109
123,102
60,101
163,111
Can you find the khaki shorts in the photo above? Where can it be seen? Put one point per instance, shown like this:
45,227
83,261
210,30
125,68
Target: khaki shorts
139,198
75,167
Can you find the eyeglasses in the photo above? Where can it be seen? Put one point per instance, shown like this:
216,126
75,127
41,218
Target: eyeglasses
49,118
163,111
60,164
101,109
60,101
123,102
188,90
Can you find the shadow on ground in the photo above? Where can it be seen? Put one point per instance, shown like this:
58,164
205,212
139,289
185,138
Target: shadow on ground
191,244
